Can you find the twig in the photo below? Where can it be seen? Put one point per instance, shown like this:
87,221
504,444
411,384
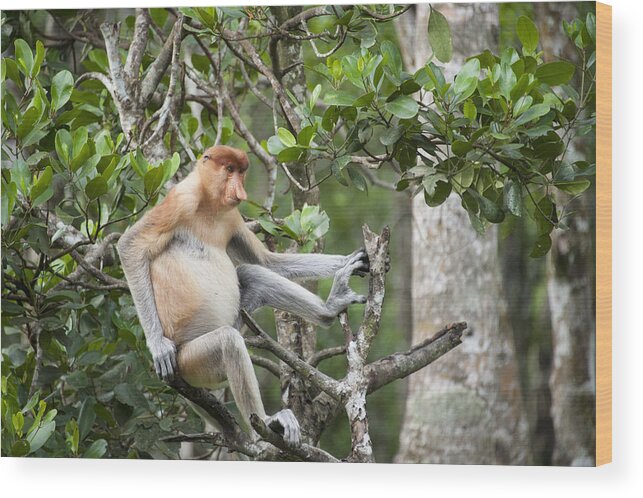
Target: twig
137,47
399,365
319,379
269,365
316,358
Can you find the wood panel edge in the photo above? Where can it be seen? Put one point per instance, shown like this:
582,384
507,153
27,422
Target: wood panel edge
603,233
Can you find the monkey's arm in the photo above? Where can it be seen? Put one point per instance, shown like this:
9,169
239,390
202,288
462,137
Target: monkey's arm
245,247
137,248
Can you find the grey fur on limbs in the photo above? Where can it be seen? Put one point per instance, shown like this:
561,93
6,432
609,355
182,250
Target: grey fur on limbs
263,287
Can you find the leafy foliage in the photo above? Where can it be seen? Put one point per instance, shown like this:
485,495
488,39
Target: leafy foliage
75,369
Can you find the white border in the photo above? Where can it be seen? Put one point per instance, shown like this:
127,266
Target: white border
622,478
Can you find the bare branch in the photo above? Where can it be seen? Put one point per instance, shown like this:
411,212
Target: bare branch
325,354
277,87
210,404
137,47
384,17
319,379
303,16
375,180
252,87
157,69
168,103
269,365
400,365
103,78
111,33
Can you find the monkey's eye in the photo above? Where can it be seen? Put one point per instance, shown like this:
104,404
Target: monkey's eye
230,169
206,158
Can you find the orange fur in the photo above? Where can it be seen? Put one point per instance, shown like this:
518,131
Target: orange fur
202,210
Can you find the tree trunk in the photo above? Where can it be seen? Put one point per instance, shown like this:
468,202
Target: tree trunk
466,408
571,288
293,332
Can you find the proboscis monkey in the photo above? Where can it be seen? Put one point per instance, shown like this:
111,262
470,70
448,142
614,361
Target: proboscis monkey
192,264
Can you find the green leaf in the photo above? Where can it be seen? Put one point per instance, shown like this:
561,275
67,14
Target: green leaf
18,422
512,195
129,395
96,450
545,215
555,73
9,195
365,100
358,179
590,24
343,99
404,107
305,136
469,110
507,80
534,112
287,138
392,58
40,435
410,86
42,190
440,36
40,56
86,417
98,186
61,87
151,181
312,103
170,167
441,193
274,145
460,148
391,135
64,145
466,80
541,247
29,120
522,104
429,183
527,34
24,56
290,154
574,187
489,209
20,448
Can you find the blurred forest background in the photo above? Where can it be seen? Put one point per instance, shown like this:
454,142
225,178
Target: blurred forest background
76,375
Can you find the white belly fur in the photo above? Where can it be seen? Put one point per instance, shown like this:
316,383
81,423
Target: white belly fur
201,279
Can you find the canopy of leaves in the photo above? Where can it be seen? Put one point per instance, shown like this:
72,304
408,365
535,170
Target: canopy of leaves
74,176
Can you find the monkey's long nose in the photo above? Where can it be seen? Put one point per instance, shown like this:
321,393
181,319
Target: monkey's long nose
240,192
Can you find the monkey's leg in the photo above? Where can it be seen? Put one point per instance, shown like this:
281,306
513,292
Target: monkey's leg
263,287
222,354
218,355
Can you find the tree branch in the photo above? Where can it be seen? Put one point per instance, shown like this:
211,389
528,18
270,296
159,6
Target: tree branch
319,379
111,33
303,451
158,68
137,47
399,365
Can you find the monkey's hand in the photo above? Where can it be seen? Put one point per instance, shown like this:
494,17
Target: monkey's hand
341,295
285,424
365,268
164,357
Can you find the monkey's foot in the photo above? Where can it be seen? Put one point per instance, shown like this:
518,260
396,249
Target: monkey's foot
285,424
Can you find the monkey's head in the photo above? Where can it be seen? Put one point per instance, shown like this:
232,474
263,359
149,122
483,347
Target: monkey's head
223,170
